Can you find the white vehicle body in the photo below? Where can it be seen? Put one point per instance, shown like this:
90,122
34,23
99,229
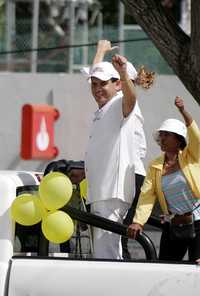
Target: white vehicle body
38,276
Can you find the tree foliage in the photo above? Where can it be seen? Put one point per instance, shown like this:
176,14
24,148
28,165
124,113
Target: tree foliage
182,52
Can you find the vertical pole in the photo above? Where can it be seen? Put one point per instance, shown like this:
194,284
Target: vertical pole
71,35
121,26
35,23
100,25
10,18
185,21
85,35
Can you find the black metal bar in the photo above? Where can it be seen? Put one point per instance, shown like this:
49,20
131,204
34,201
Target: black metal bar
115,227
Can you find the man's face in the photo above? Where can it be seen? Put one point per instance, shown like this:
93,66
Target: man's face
103,91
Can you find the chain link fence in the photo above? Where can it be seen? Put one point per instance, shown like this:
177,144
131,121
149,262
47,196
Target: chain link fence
55,51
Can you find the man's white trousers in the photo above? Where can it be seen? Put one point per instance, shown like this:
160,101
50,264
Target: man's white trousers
107,245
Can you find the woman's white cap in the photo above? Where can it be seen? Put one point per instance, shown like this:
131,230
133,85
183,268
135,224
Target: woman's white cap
132,73
172,125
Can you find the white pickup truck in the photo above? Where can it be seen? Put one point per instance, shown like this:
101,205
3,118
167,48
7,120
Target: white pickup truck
43,273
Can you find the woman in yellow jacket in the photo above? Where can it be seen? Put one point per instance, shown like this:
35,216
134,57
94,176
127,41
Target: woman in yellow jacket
174,179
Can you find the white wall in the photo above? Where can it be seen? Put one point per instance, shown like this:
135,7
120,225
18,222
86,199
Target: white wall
70,93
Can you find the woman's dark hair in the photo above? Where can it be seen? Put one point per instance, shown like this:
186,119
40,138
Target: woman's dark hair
182,141
145,78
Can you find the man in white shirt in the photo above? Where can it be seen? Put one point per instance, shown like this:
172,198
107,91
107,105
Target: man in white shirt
136,132
109,161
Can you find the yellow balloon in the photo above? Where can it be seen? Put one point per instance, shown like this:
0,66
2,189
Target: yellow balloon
57,227
55,190
27,209
83,188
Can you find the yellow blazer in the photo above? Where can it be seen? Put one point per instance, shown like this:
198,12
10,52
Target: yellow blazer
189,161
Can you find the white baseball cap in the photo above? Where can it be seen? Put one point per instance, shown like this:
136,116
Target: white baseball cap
132,73
171,125
104,71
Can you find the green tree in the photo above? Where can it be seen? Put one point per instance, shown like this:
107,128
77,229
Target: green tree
182,52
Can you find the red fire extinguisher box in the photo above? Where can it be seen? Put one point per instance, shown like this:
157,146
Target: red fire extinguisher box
37,132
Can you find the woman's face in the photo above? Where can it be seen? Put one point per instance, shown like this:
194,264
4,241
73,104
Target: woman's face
168,141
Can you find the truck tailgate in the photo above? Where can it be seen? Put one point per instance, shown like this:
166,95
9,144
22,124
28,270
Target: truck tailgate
59,276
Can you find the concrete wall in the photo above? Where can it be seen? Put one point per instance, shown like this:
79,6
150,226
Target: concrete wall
71,95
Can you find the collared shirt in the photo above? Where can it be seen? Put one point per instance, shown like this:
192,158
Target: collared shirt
110,155
138,133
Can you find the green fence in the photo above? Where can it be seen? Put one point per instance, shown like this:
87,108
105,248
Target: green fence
139,49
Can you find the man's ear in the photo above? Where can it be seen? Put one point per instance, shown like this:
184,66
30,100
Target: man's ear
118,85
